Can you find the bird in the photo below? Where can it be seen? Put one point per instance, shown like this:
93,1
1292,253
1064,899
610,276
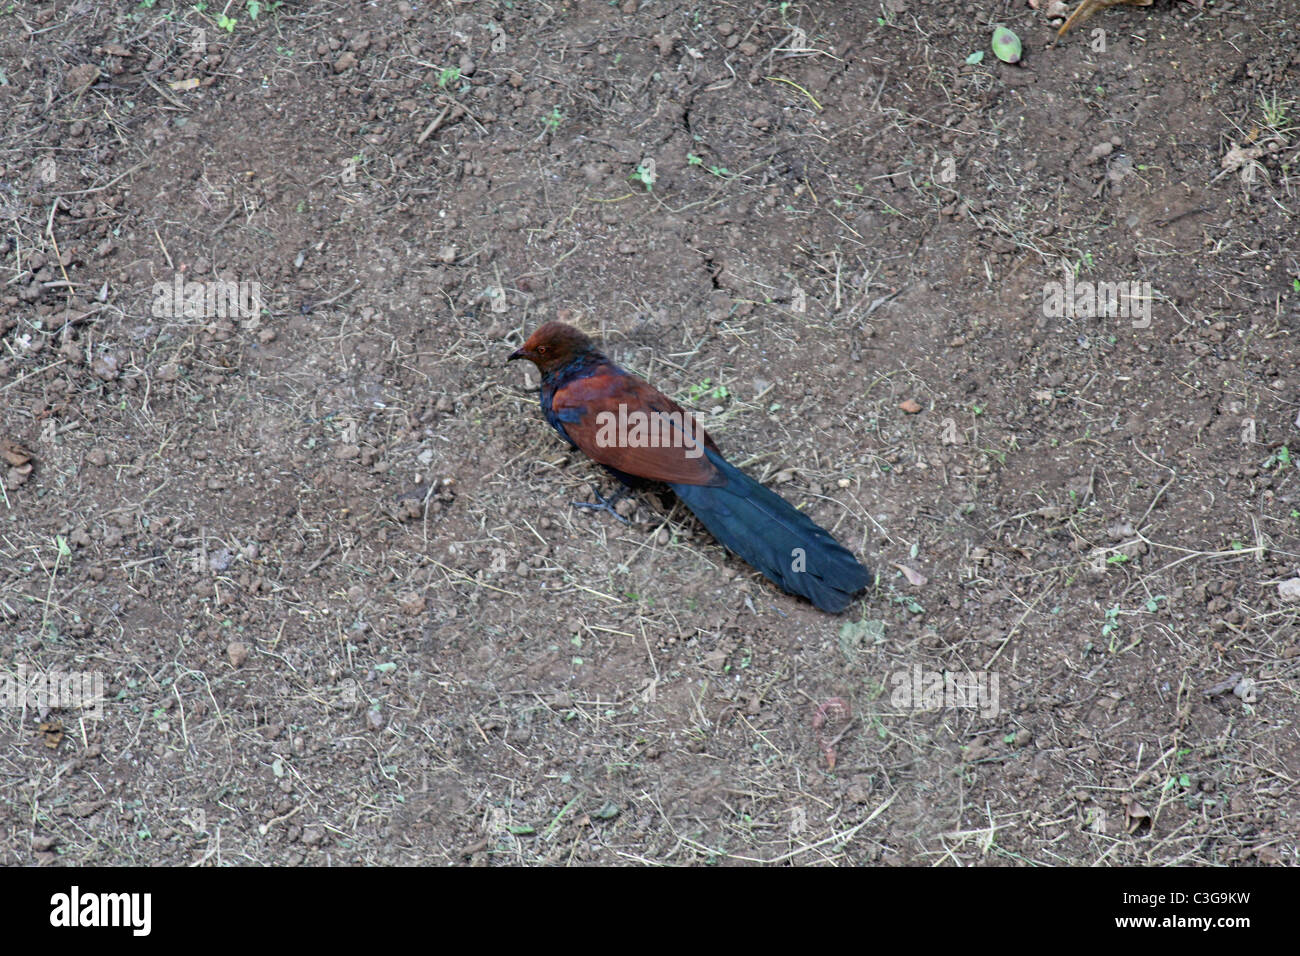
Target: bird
642,436
1088,7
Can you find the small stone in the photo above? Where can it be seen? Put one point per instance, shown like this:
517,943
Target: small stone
911,406
237,652
80,77
1101,151
105,367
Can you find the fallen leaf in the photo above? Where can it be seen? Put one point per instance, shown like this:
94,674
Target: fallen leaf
915,578
53,731
1134,815
14,453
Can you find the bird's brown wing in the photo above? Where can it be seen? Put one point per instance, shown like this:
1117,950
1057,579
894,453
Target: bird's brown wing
622,421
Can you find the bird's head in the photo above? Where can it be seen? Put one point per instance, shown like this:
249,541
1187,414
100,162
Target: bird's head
552,346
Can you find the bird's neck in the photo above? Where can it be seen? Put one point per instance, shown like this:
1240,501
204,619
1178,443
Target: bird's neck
576,367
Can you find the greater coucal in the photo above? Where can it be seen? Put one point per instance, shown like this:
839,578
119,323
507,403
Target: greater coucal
637,432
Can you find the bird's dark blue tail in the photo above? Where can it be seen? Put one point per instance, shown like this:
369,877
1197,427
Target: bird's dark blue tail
776,538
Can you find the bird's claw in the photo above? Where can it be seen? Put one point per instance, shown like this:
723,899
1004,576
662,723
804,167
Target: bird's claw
602,504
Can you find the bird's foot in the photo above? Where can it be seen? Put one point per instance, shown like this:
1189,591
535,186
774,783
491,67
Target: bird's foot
602,504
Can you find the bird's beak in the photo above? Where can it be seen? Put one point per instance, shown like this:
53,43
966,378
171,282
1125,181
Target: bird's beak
517,353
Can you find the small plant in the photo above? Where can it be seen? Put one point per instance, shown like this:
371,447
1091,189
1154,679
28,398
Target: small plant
706,388
448,77
1279,459
644,175
1276,111
553,119
1110,628
255,7
226,23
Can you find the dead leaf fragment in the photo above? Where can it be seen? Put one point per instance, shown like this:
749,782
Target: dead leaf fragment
1240,156
53,733
1134,815
914,578
14,453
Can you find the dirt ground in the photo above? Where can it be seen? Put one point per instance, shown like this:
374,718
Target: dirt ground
322,551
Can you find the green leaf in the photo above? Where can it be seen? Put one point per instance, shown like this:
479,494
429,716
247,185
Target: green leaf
1006,45
976,57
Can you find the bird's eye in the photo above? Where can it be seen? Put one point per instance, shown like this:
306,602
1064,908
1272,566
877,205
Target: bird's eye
541,349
